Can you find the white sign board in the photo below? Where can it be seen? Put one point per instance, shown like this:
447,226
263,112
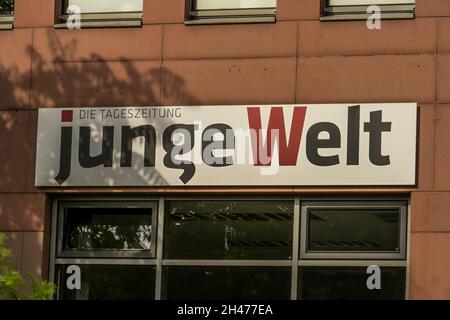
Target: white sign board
269,145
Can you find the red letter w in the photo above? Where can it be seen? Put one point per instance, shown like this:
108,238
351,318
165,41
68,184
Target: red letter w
288,152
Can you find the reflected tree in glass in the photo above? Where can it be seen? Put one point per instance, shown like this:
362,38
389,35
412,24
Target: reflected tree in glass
6,6
110,282
108,229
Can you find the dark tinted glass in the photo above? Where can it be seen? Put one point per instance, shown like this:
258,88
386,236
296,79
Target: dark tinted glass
215,283
353,230
108,228
228,230
317,283
108,282
6,6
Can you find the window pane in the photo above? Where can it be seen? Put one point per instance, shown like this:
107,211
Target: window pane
317,283
228,230
367,2
108,228
234,4
98,6
216,283
353,230
109,282
6,6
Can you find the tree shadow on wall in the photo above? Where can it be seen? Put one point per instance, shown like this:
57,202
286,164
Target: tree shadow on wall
60,79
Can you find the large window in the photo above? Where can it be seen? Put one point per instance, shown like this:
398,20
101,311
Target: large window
339,240
113,246
6,14
102,13
353,230
358,9
241,248
229,248
230,11
228,230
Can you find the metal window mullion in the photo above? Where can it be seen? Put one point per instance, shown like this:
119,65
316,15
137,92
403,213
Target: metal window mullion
159,249
100,261
122,200
53,240
229,198
351,263
233,12
228,263
408,248
363,8
295,249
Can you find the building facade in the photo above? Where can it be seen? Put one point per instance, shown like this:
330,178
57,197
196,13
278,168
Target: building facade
137,233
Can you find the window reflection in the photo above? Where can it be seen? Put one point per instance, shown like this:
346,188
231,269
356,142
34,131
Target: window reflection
108,228
110,282
354,230
228,230
6,6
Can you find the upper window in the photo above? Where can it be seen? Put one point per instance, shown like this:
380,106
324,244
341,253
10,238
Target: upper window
107,230
6,14
229,230
102,13
110,246
353,230
230,11
358,9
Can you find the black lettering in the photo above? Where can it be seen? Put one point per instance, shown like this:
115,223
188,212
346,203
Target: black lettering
353,136
375,128
169,146
128,134
313,143
65,155
105,158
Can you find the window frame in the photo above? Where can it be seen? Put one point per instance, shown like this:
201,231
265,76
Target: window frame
352,255
359,12
297,261
192,261
227,16
6,21
98,20
380,2
88,254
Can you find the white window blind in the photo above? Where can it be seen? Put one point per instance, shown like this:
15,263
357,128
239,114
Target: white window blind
102,6
234,4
